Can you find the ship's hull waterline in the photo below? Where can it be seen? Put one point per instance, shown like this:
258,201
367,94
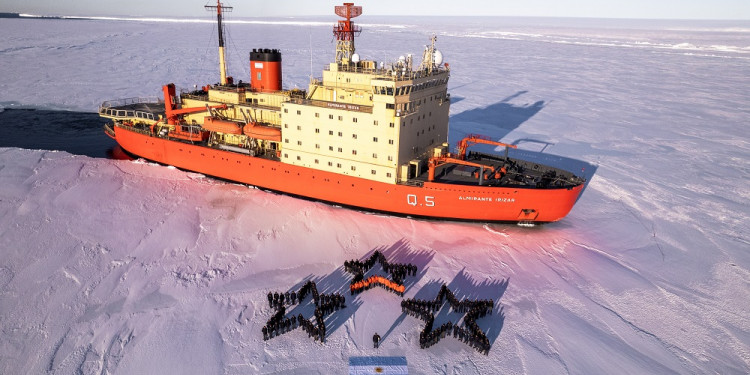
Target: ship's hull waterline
431,200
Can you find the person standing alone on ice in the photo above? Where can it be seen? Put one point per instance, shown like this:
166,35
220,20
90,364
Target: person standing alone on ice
376,340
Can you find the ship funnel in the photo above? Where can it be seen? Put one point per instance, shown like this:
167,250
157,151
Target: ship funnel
265,70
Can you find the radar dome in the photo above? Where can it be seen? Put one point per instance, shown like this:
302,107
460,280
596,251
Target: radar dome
355,58
438,57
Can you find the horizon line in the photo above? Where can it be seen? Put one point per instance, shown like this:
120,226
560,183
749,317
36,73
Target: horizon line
125,17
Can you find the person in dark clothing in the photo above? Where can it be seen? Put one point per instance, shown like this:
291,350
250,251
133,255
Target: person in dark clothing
376,340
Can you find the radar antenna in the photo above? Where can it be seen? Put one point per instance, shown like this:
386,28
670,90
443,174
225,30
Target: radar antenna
219,7
345,31
430,57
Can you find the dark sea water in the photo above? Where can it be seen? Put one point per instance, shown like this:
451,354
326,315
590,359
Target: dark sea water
78,133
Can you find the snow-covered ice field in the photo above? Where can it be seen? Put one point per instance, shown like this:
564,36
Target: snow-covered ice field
129,267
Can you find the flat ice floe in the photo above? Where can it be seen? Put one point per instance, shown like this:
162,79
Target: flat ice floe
127,267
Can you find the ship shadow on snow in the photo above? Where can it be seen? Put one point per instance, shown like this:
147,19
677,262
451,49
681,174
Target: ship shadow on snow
495,120
338,282
578,167
498,120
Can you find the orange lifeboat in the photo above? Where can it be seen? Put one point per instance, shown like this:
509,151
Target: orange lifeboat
222,126
268,133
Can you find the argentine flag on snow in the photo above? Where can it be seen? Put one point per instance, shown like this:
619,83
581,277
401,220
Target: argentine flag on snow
377,365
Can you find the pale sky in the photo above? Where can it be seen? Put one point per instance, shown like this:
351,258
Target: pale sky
662,9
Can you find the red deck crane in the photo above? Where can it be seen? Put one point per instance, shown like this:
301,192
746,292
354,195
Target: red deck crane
472,139
173,114
460,158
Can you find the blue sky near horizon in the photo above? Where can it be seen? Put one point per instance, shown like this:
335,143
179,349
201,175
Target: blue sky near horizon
639,9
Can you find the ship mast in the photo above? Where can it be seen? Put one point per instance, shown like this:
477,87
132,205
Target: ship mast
222,61
345,31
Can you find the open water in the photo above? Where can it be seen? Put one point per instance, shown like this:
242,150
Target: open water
79,133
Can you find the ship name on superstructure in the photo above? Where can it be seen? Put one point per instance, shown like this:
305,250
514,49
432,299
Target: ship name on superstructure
349,107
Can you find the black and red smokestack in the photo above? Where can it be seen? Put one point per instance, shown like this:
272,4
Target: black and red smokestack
265,70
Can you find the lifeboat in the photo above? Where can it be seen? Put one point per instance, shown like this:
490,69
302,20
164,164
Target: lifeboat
221,126
268,133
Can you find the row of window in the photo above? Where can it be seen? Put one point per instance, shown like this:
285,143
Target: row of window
338,165
340,118
254,100
354,136
413,105
330,132
340,149
429,128
408,89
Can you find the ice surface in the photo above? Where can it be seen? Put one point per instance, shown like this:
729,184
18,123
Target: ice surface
128,267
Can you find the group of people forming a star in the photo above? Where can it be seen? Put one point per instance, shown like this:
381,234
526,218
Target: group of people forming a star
472,335
326,304
398,271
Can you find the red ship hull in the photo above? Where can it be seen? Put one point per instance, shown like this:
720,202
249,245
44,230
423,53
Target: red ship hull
432,200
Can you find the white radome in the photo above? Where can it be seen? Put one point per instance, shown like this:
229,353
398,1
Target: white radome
437,58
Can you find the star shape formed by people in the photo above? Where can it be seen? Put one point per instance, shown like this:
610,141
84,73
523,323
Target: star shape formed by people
469,333
397,272
279,323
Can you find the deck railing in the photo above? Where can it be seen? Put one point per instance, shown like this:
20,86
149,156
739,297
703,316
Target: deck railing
412,182
391,74
127,108
130,101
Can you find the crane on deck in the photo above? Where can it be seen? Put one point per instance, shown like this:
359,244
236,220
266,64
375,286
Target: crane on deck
460,158
473,139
